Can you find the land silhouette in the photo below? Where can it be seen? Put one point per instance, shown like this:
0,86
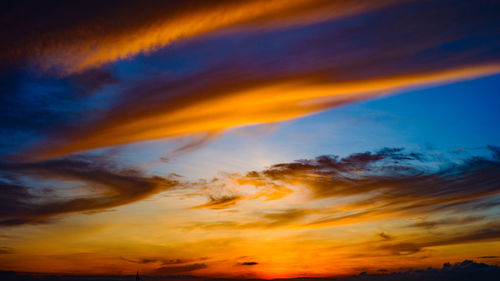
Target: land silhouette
466,270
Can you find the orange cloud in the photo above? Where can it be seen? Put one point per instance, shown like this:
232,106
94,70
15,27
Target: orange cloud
88,38
360,210
273,102
372,186
319,67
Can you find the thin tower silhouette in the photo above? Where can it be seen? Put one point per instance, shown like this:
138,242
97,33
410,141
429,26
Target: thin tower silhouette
137,277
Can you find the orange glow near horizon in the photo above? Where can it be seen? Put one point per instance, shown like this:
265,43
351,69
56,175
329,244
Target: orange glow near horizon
83,246
276,223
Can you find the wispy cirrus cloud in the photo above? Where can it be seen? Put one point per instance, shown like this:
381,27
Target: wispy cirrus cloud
447,221
372,185
410,246
74,37
293,72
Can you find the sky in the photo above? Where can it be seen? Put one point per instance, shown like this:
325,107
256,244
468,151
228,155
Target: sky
248,139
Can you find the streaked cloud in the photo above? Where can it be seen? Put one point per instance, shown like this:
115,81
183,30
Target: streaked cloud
179,270
106,186
249,263
486,232
220,202
317,67
74,37
447,221
162,261
373,186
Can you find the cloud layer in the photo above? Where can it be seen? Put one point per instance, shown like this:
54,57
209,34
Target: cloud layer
74,37
109,187
422,201
226,80
389,182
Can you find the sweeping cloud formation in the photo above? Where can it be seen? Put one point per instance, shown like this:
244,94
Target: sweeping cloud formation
389,182
24,204
295,70
77,38
444,191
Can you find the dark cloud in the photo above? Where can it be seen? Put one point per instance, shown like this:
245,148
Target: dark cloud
487,232
466,270
249,263
141,261
385,236
482,233
182,269
22,204
221,202
176,261
397,181
388,182
356,173
489,257
162,261
448,221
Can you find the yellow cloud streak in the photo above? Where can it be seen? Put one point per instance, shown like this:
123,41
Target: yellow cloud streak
276,102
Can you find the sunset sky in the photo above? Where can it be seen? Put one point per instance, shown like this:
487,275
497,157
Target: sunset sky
248,139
